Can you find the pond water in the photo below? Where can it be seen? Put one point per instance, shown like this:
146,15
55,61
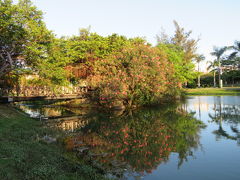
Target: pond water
195,139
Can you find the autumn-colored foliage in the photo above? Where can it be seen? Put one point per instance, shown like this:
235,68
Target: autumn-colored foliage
138,75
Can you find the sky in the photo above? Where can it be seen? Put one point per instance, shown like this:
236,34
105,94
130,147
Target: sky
215,22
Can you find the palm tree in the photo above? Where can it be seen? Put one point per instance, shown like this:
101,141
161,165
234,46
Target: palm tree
235,48
198,59
218,53
235,55
213,66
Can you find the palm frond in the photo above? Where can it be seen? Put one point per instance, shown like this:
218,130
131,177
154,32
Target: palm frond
232,55
218,52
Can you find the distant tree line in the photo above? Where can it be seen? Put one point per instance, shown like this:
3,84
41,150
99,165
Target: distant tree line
224,69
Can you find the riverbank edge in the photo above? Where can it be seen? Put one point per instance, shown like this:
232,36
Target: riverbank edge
227,91
24,154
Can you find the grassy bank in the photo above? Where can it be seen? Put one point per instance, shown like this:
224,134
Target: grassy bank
24,155
214,91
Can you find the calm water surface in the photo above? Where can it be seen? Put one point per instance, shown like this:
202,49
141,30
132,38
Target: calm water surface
195,139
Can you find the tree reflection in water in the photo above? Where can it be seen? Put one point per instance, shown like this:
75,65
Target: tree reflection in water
229,114
136,142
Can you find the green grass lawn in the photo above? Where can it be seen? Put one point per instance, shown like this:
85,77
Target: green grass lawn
23,156
214,91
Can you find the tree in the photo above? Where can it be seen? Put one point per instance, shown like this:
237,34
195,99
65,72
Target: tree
26,43
181,49
22,34
137,75
234,57
213,65
12,36
51,69
183,72
218,53
236,50
198,59
183,40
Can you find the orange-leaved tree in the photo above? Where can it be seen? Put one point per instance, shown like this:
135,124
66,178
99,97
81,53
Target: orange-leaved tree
137,75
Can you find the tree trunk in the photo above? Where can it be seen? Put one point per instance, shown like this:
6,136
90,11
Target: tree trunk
219,74
214,78
7,64
199,83
3,69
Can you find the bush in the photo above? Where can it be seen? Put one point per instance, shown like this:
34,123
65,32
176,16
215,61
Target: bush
138,75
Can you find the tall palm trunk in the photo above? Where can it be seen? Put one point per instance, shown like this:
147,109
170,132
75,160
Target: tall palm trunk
219,74
214,78
199,83
218,53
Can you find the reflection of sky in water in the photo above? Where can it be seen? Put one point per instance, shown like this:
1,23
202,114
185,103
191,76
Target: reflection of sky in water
226,108
37,111
33,114
219,157
55,116
30,110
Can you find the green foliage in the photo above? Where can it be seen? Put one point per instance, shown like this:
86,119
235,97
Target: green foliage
183,40
231,77
52,67
207,80
128,70
212,65
26,43
12,36
181,50
199,58
91,46
84,47
138,75
183,71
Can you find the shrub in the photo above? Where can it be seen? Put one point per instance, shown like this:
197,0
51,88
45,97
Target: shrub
138,75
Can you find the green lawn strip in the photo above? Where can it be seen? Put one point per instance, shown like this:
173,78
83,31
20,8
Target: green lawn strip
213,91
24,156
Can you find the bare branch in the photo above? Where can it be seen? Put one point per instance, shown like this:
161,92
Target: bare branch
5,68
10,59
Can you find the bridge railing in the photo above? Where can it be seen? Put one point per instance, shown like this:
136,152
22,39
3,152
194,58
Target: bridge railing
31,91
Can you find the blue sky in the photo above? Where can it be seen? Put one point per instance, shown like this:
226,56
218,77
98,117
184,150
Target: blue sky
216,22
